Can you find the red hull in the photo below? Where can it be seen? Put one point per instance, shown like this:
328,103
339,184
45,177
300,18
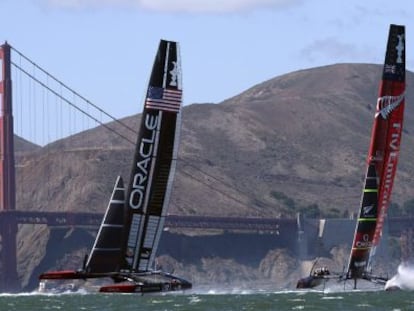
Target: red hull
120,288
61,275
138,288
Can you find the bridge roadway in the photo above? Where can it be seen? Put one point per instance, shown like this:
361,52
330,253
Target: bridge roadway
56,219
268,225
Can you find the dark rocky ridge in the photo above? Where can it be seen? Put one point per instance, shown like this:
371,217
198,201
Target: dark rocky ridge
294,141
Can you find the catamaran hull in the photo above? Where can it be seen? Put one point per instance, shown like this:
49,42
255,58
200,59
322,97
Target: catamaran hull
144,282
310,282
57,286
121,288
61,275
144,288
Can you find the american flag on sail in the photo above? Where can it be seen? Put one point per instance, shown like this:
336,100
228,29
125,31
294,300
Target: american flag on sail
389,68
163,99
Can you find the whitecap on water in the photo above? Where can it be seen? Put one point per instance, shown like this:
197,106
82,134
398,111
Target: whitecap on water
194,299
332,297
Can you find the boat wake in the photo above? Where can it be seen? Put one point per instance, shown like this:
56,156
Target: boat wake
404,279
80,291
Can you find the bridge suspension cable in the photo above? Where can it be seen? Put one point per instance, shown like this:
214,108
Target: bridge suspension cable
76,107
74,94
72,103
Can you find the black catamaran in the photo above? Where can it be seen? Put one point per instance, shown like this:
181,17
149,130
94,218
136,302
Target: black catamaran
381,167
126,243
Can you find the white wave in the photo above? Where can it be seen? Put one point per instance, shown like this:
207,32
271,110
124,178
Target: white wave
34,293
332,298
209,290
404,279
37,293
194,299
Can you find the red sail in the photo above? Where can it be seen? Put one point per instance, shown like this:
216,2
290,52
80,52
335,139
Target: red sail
382,156
388,123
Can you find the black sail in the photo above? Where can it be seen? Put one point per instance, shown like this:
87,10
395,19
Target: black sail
154,161
366,223
106,250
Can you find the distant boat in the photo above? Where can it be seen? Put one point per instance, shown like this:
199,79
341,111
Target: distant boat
125,246
381,167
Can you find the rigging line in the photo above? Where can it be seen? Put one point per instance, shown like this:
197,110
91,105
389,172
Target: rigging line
74,92
74,106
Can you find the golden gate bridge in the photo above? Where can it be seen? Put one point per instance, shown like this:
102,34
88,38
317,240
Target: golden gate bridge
11,216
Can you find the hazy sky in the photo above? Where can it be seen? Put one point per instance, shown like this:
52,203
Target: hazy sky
104,49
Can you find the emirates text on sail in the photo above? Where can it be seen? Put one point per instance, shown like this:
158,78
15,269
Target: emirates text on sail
388,174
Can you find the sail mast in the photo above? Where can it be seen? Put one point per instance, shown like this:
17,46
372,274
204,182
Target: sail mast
131,229
389,121
154,161
382,156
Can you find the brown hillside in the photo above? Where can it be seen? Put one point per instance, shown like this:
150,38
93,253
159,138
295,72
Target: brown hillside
295,141
303,136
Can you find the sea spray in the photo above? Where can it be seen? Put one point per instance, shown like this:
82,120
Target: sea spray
404,279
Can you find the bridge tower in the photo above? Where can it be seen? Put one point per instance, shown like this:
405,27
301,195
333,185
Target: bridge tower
8,226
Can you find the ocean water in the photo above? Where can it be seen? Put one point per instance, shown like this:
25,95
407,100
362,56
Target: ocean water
230,301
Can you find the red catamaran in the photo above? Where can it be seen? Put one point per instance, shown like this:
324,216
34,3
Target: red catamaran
127,241
381,167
